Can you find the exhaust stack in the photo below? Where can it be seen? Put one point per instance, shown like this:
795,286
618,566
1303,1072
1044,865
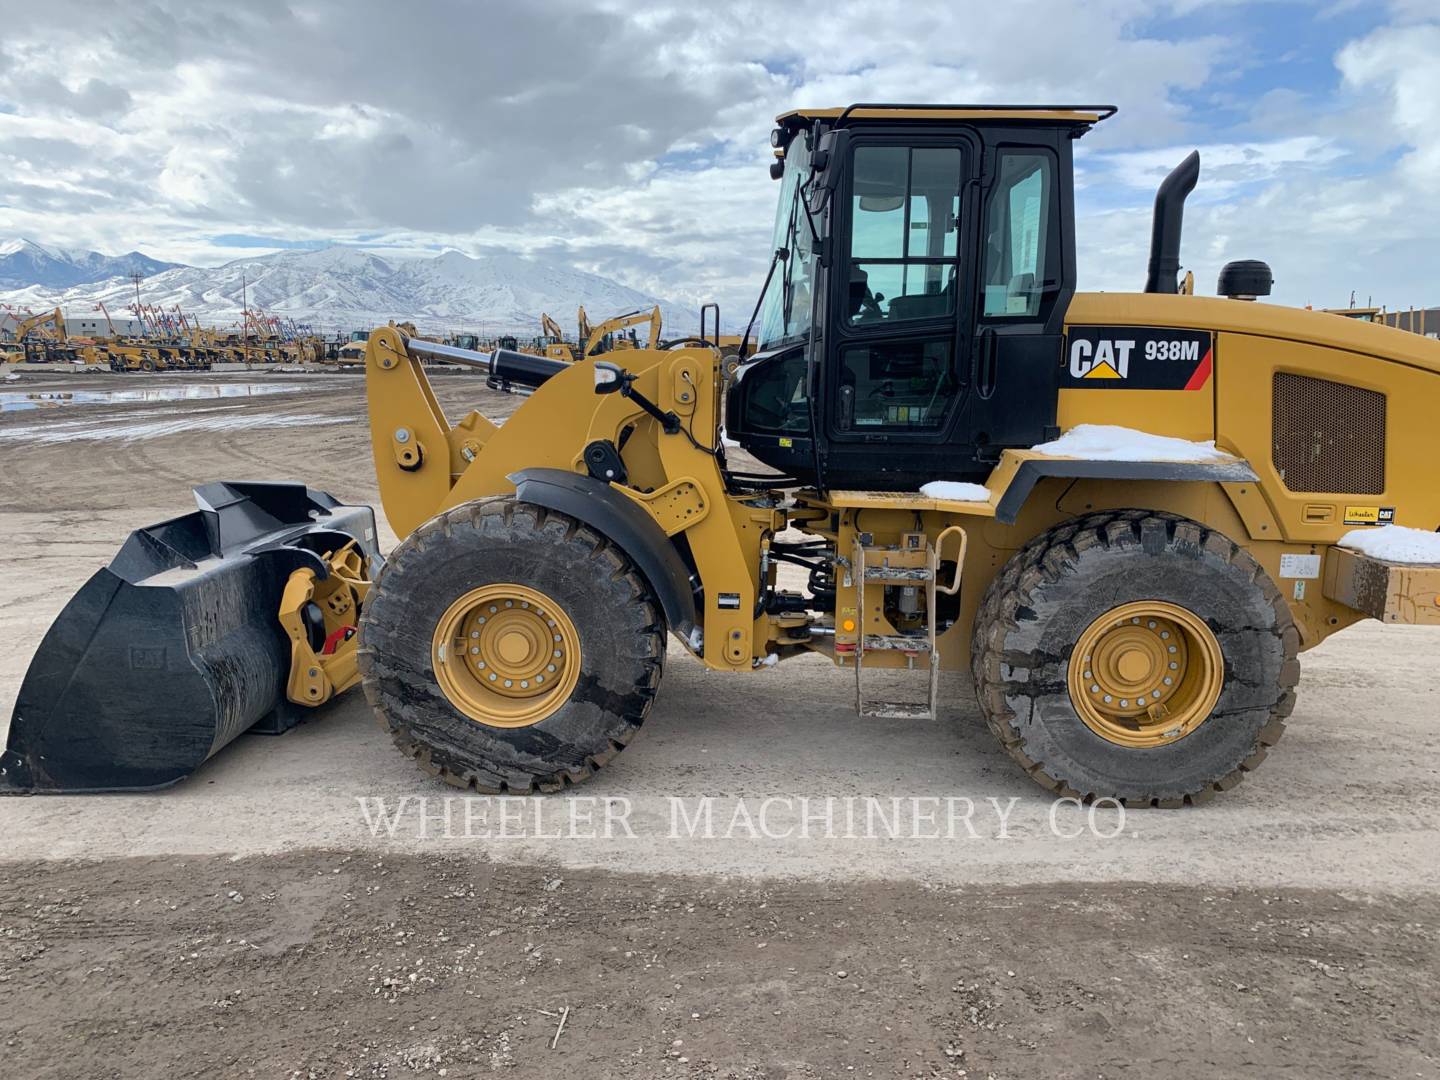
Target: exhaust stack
1165,231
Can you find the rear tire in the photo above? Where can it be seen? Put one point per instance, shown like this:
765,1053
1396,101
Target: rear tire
585,580
1066,586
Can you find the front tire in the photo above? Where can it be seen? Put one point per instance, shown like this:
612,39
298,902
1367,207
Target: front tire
1138,656
509,648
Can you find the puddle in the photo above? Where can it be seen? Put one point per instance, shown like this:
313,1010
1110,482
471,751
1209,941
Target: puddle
19,401
132,426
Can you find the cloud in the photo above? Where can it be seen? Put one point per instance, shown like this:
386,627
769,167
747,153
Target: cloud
631,138
1399,63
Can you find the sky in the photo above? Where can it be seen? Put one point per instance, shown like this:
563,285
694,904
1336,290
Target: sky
631,139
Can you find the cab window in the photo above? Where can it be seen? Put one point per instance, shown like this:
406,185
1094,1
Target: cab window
904,220
1018,235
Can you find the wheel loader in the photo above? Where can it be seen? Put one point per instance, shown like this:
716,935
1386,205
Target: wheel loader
1121,513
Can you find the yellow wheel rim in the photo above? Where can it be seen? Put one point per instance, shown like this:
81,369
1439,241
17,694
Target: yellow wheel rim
506,655
1146,674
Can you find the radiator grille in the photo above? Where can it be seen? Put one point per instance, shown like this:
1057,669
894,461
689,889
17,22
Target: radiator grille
1328,437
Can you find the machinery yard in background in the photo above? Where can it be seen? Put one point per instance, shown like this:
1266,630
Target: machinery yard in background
1123,513
163,340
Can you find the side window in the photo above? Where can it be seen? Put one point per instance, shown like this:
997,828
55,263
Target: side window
1018,234
904,226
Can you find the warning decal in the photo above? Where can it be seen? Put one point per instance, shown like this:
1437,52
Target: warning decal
1137,358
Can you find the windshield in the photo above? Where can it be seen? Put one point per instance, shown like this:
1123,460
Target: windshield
785,312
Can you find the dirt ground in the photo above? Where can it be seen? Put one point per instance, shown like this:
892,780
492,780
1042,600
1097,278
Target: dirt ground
333,964
1288,927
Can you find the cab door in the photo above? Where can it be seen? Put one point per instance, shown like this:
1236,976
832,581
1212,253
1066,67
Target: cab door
899,304
949,274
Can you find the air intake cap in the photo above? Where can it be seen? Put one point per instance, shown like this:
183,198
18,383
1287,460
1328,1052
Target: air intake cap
1245,279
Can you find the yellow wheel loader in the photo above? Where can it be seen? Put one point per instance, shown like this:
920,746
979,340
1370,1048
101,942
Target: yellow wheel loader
1122,513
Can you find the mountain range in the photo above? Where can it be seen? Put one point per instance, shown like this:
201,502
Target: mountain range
335,288
24,263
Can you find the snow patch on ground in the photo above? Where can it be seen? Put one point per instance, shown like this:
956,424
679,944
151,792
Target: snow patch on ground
1394,543
953,491
1108,442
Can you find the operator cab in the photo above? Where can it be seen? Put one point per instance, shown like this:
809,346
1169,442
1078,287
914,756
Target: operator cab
911,322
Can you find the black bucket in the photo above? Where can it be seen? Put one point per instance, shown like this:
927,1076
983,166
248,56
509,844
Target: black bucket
175,648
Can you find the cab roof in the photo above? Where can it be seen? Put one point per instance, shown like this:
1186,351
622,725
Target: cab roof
1079,115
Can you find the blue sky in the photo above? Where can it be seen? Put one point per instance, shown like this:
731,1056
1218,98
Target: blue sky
496,130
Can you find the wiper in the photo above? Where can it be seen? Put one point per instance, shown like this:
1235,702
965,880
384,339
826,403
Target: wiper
781,254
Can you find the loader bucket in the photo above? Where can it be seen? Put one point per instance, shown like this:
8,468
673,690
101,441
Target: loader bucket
175,648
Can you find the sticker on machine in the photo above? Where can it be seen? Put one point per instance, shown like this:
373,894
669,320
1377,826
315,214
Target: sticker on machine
1300,566
1137,358
1369,515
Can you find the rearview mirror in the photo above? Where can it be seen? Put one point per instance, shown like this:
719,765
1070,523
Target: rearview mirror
608,377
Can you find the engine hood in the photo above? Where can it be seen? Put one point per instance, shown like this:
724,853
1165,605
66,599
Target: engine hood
1258,319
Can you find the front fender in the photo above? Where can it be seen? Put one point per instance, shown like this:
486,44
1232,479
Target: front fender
626,524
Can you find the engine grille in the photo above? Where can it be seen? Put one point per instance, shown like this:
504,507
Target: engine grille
1328,436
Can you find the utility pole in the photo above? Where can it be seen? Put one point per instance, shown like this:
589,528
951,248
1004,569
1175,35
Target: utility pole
244,321
136,277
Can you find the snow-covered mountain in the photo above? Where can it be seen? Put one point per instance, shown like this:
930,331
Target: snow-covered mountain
24,263
348,288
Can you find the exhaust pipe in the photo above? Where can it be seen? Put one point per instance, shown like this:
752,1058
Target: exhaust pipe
1165,230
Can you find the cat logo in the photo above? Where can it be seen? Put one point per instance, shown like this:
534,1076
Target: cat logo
1104,359
1136,358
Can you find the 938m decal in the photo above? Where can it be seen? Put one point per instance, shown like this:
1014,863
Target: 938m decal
1137,358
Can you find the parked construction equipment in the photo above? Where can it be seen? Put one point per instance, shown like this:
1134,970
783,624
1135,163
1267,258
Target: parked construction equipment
553,343
1130,600
611,335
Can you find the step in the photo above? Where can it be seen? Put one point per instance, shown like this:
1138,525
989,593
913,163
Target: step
896,643
897,573
897,710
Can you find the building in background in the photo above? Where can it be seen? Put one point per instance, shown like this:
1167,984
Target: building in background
96,325
1424,321
1417,320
